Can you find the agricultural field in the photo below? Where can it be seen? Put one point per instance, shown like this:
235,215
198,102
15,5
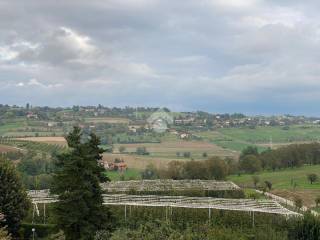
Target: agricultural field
239,138
288,183
226,142
9,127
26,128
116,120
139,162
169,149
145,138
50,140
5,149
160,154
260,135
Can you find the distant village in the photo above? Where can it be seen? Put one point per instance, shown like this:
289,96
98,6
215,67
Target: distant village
137,117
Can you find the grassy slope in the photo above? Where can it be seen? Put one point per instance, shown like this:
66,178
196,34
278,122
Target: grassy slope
226,141
282,179
282,183
239,138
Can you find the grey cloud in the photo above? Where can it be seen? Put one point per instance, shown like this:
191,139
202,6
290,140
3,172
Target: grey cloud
186,54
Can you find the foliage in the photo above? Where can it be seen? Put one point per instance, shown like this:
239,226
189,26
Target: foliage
41,181
158,230
268,184
217,168
13,198
317,201
102,235
187,154
57,236
306,228
80,211
312,177
213,168
250,150
255,180
250,164
298,202
4,235
150,172
41,230
294,155
122,149
142,151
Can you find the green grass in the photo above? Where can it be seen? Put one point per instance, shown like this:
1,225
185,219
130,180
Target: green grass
239,138
278,134
251,193
22,128
236,145
11,127
226,141
317,209
32,134
130,174
282,179
125,138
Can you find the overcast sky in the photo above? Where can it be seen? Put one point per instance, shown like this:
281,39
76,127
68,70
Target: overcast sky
251,56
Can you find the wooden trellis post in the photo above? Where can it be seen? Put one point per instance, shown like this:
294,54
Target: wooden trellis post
33,212
253,219
166,213
44,213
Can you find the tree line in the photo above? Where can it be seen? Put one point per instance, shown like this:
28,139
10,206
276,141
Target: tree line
213,168
294,155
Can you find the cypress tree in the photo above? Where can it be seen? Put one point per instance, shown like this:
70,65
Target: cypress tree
80,211
14,203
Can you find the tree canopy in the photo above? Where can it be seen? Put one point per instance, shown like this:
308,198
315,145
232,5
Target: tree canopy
80,211
14,203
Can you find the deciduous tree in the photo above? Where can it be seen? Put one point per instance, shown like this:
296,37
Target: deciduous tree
312,177
250,164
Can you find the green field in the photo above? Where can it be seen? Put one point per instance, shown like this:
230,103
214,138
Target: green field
129,174
288,183
239,138
225,141
283,179
296,133
11,127
21,127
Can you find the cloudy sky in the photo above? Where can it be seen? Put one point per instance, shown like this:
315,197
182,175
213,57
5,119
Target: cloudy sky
251,56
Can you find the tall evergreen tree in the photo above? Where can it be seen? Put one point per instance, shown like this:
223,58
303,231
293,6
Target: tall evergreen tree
80,211
14,203
4,235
